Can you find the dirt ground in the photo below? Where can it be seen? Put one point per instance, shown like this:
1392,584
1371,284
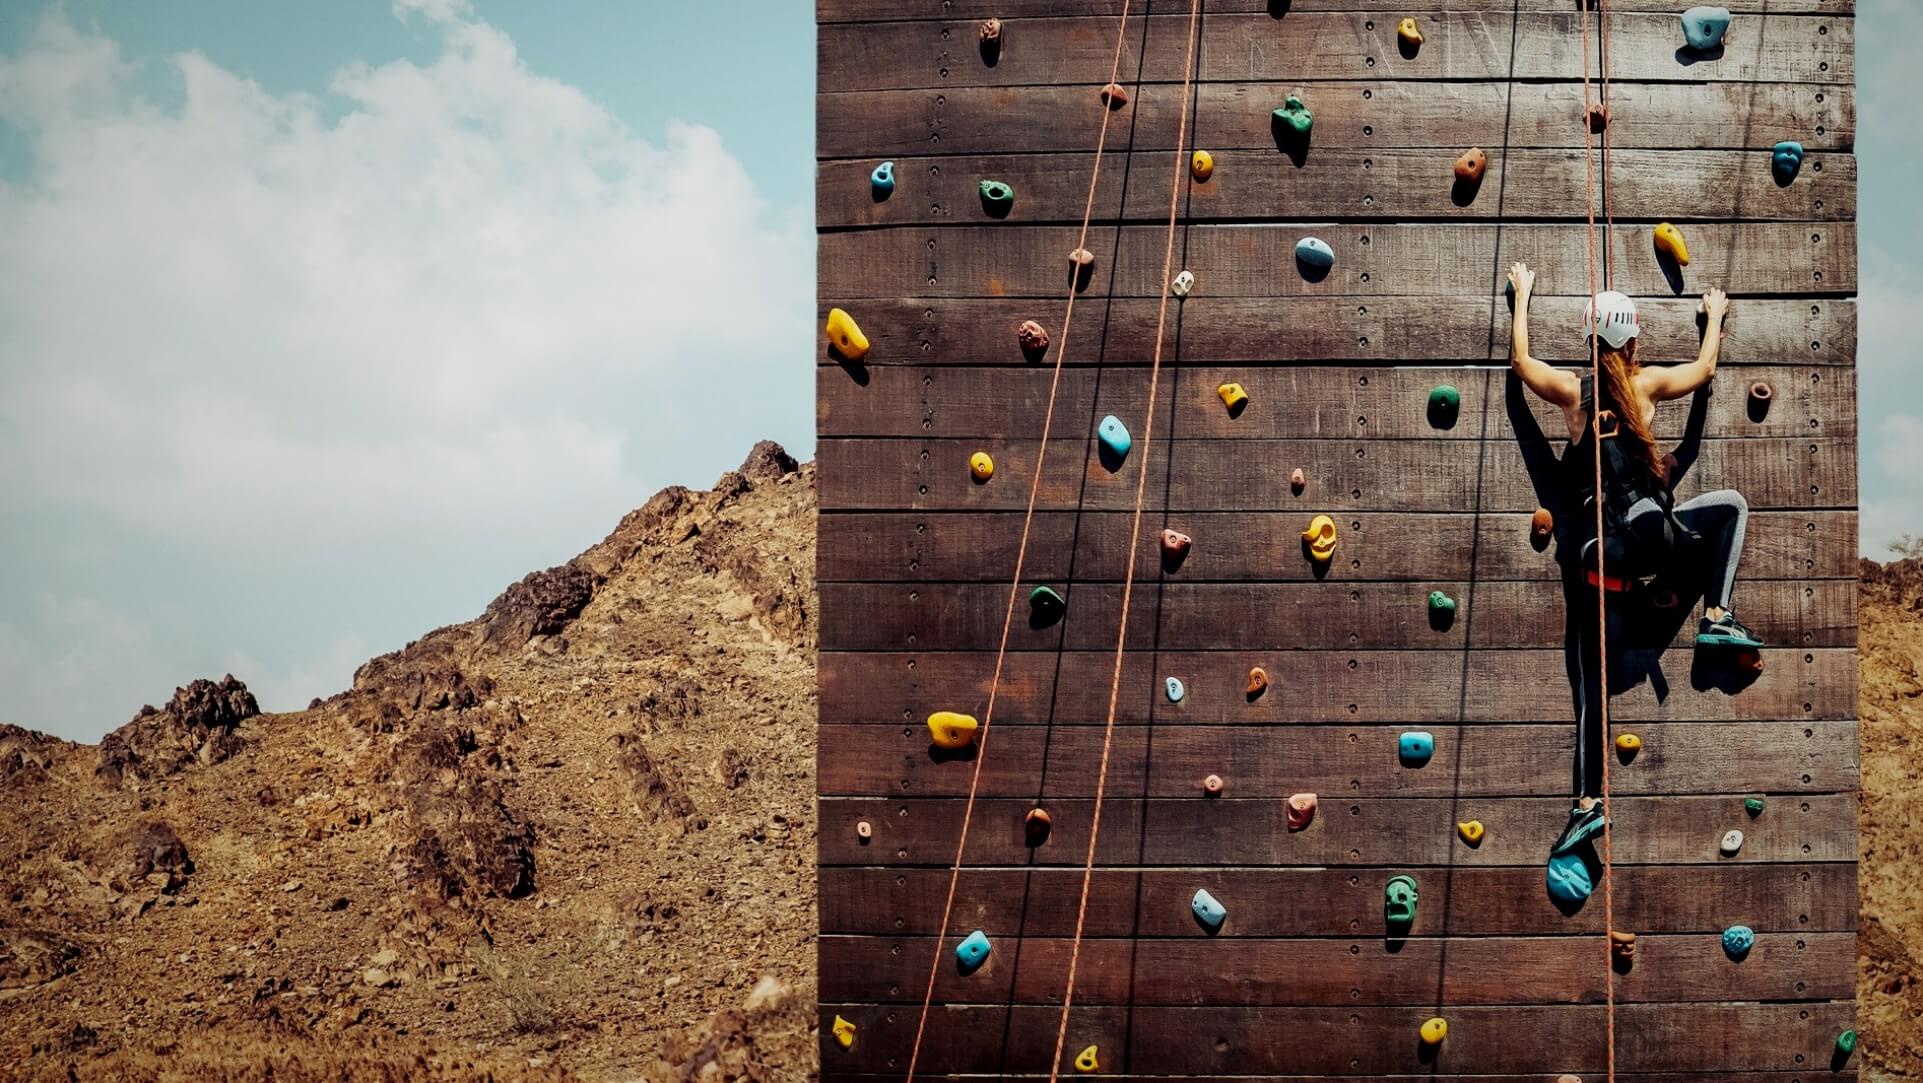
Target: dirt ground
570,839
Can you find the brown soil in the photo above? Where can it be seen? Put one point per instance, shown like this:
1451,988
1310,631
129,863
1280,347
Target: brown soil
570,839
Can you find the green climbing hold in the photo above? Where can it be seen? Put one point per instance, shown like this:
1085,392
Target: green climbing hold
1846,1042
1753,806
998,197
1399,904
1045,606
1294,118
1440,603
1444,403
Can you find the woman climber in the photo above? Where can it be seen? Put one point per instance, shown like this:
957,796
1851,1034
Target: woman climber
1643,529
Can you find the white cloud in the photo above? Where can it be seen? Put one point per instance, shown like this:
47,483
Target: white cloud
437,300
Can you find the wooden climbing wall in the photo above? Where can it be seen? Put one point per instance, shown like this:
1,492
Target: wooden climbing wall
915,558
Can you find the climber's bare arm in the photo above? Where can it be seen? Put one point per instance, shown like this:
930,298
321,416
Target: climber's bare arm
1677,381
1552,384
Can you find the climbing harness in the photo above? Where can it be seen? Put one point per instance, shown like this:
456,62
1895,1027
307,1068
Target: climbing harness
1135,539
991,34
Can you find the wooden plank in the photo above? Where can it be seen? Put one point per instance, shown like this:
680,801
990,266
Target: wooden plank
880,124
996,403
1405,330
1252,475
1091,547
1540,1040
1465,901
1248,47
1481,760
1440,259
1396,185
1414,687
1284,617
1364,972
1010,11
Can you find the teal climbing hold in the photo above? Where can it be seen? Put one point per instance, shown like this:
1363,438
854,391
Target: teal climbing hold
1737,940
1786,160
1440,604
1045,605
1753,806
882,180
1444,403
1568,876
1314,253
1114,435
1294,118
1399,904
1415,747
1703,27
1846,1043
997,197
973,950
1207,910
1173,686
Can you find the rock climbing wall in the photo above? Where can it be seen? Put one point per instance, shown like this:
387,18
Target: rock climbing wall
1304,977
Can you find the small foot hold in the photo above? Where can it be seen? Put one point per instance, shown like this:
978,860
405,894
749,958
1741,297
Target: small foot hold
1445,403
1298,481
973,951
1442,609
1732,842
1434,1030
864,831
1207,910
1753,806
844,1033
1174,688
1596,116
1415,747
1737,940
1785,161
1258,682
998,197
1409,32
1036,826
1045,606
1301,810
1234,396
1399,904
1033,339
1087,1060
980,466
1542,527
1294,118
991,31
882,180
1175,546
1471,166
1183,283
1627,745
1622,947
1314,254
1114,95
1846,1043
1212,785
1471,831
1201,165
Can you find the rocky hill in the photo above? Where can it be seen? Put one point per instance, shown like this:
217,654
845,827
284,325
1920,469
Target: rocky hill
569,839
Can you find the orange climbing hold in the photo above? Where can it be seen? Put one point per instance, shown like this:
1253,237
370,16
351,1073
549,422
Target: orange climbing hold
1470,167
952,729
1622,946
1258,682
1114,95
1669,242
1542,526
1320,538
845,336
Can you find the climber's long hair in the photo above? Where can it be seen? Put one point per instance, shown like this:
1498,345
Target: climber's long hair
1618,366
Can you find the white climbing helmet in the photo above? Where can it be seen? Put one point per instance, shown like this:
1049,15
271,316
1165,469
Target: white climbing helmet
1613,315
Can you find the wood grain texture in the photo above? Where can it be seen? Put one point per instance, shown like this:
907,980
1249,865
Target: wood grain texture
1395,185
995,403
869,11
1238,47
1091,547
1363,115
1539,1040
1405,330
1325,685
1362,972
1276,902
1482,760
1253,475
1384,260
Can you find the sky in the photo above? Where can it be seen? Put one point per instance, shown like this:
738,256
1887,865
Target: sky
322,323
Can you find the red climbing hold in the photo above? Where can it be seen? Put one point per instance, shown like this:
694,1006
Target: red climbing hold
1301,810
1114,95
1033,338
1175,545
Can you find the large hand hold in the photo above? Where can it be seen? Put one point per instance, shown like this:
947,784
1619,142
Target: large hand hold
844,1033
1669,242
1703,27
1434,1029
1086,1061
1408,31
1114,435
1415,747
1785,161
1314,253
1737,940
973,951
1201,165
1294,118
845,337
1320,538
1399,904
952,729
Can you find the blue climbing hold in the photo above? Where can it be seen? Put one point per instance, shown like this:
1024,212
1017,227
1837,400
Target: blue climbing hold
1569,880
1415,747
883,178
1114,435
973,950
1703,27
1737,940
1173,686
1314,253
1786,161
1208,911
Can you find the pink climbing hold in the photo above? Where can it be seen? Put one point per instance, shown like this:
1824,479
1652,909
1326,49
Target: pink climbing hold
1298,481
1301,810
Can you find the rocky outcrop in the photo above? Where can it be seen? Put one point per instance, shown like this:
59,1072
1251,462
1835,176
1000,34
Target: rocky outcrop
197,726
541,604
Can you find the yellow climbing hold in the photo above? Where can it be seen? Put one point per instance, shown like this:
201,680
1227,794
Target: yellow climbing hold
1408,31
1321,538
846,338
981,466
1085,1061
1470,830
1434,1030
1629,744
1233,396
952,729
1201,165
1669,241
844,1033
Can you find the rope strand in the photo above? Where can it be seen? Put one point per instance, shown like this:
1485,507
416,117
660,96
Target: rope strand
1135,540
1021,556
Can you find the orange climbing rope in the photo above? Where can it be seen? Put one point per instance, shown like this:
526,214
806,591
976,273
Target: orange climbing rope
1595,421
1021,555
1134,538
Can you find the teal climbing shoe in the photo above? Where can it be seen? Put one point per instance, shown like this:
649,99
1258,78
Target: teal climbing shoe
1726,632
1584,824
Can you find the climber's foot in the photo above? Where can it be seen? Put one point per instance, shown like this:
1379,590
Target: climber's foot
1726,631
1584,824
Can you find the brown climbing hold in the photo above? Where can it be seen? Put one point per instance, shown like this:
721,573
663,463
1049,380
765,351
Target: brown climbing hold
1759,393
1596,116
1542,526
1301,810
1033,338
1258,682
1175,544
1114,95
1298,481
1212,785
864,831
1622,946
1036,826
991,31
1470,166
